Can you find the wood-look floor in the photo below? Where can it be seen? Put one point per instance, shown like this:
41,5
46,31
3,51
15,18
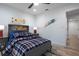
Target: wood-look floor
64,51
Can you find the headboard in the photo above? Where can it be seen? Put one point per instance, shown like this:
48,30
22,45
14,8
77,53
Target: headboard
14,27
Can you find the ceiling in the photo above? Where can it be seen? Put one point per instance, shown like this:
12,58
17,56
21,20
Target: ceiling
73,15
40,8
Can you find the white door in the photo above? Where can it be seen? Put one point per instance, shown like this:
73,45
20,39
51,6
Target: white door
74,35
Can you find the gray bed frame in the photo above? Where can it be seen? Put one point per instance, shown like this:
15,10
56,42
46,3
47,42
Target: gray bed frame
40,50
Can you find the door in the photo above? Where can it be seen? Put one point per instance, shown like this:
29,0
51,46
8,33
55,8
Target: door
73,34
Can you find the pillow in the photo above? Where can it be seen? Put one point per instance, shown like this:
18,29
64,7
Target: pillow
17,34
11,35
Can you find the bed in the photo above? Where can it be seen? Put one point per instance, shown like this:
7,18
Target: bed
23,43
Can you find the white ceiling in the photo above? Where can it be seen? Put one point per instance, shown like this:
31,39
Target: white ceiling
40,8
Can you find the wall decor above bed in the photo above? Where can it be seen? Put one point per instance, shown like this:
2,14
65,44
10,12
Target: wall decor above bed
17,20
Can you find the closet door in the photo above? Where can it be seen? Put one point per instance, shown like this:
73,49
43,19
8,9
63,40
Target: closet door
74,35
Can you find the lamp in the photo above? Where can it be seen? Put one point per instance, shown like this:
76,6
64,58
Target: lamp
36,4
1,27
35,30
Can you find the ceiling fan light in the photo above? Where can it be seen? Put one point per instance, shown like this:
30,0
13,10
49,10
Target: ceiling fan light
34,10
36,4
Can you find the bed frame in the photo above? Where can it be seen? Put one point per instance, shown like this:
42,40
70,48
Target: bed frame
37,51
13,27
40,50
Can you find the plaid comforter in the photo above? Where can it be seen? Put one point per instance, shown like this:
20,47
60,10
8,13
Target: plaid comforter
20,46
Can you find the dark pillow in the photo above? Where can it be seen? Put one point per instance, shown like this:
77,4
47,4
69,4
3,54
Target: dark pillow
17,34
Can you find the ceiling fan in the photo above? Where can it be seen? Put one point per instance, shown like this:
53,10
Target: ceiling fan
32,4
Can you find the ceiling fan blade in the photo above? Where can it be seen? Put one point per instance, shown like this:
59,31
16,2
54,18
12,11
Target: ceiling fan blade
47,3
31,5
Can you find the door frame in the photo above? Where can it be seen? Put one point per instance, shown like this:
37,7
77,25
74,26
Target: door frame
67,40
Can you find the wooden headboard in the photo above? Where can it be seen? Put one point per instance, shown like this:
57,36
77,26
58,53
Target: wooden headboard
14,27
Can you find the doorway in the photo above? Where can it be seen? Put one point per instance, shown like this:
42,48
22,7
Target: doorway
73,29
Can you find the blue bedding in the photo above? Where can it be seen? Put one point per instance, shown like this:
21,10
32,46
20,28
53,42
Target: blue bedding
21,45
20,34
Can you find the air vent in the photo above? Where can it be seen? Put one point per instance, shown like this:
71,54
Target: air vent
46,9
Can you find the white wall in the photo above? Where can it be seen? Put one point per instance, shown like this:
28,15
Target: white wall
7,12
56,32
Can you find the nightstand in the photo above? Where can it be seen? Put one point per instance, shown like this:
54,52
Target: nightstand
36,34
3,41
